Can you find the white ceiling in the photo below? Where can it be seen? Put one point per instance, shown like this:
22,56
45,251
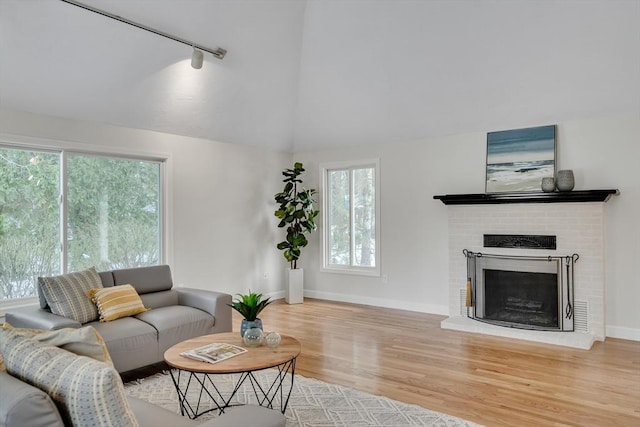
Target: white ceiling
304,75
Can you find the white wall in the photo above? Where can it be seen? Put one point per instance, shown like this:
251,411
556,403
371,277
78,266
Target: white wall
603,153
393,71
222,229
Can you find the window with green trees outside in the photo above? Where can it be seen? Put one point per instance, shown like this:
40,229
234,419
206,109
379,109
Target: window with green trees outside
350,217
63,211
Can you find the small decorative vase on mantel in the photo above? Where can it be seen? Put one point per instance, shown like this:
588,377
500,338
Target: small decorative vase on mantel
548,184
565,180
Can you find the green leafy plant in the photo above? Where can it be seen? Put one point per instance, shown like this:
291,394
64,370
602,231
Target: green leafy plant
249,305
296,213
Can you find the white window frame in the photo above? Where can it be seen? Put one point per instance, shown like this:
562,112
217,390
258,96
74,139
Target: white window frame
324,249
66,147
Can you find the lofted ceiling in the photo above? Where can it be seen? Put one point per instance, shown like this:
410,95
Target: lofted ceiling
307,75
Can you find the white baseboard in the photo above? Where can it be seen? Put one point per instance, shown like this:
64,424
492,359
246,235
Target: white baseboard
275,295
380,302
623,332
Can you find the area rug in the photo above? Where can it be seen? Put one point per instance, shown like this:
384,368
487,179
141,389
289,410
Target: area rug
313,403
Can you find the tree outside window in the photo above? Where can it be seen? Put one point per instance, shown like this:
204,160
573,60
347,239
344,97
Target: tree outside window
112,207
350,220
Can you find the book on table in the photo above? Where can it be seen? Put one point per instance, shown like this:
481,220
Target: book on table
214,353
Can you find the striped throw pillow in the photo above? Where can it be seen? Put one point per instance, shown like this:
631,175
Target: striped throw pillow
84,341
86,391
116,302
67,294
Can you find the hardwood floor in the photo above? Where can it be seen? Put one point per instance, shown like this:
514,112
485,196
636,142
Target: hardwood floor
492,381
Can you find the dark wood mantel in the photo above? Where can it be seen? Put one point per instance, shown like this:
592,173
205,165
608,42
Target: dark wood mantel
581,196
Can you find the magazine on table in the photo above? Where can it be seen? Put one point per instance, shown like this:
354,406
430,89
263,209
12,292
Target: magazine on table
214,352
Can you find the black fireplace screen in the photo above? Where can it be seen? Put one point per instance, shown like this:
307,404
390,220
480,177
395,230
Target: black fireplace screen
529,292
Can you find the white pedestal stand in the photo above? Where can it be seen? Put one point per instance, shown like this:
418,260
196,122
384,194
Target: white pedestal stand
294,294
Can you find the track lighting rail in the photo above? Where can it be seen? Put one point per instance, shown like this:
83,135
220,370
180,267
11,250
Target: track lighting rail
218,53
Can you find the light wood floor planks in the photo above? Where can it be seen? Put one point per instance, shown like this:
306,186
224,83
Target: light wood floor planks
492,381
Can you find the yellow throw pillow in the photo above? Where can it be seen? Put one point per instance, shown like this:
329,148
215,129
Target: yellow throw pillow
116,302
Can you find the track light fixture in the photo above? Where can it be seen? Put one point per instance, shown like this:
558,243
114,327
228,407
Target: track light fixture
196,57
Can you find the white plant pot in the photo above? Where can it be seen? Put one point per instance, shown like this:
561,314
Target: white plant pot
295,289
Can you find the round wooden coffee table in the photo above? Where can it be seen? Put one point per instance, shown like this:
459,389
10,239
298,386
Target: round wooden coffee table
202,374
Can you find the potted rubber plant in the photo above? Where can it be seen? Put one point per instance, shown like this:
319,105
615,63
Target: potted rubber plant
297,215
249,306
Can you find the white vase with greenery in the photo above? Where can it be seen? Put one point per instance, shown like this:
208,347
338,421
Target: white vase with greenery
297,214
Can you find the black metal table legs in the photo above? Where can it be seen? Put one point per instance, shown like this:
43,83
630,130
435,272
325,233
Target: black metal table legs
203,385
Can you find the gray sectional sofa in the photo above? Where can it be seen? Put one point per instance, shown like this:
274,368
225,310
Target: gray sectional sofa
176,314
23,405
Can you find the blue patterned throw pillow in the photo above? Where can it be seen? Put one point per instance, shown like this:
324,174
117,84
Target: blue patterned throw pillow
87,392
67,294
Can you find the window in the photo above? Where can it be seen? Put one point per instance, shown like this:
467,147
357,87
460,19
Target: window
29,220
108,209
113,212
350,217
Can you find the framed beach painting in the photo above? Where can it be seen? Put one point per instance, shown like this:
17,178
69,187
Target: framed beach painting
518,159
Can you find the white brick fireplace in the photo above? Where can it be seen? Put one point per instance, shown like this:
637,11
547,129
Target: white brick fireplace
579,228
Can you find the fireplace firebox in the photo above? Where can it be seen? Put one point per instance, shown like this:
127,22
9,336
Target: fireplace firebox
528,292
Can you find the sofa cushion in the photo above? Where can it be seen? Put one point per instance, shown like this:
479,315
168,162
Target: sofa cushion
66,294
106,277
160,299
116,302
132,343
86,391
145,279
150,415
177,323
248,415
25,405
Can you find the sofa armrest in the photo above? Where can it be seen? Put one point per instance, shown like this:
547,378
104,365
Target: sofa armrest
37,318
214,303
24,405
150,415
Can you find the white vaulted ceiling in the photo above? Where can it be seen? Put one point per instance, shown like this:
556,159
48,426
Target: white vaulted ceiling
304,75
